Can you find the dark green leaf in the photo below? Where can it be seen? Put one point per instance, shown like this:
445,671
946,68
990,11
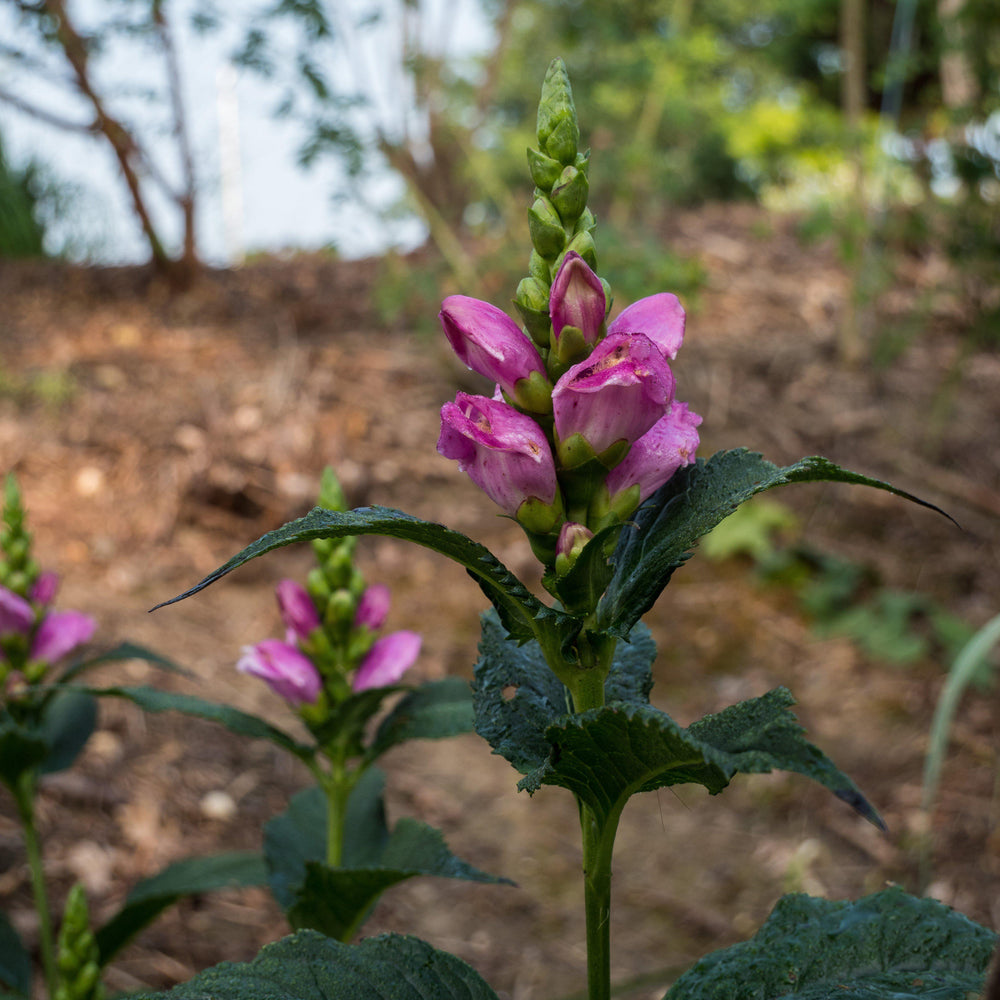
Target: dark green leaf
151,699
298,835
68,721
663,531
517,697
189,877
309,966
337,900
432,711
21,750
15,962
607,755
523,614
125,651
345,724
889,946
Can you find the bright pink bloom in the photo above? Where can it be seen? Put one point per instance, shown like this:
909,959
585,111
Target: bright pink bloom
488,341
577,299
505,453
659,317
43,590
59,633
668,446
16,614
297,609
387,660
373,608
616,394
285,669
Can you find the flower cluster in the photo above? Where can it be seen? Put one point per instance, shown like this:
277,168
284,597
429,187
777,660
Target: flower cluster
330,647
33,637
584,424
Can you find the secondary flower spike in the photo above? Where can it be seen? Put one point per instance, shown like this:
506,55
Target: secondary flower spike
286,671
387,660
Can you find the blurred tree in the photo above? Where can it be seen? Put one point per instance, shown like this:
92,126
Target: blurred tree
21,232
65,66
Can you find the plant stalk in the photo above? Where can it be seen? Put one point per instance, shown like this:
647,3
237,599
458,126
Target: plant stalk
24,794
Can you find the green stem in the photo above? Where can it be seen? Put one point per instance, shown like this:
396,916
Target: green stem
25,793
337,786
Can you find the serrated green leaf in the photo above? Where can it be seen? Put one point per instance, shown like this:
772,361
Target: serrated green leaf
517,697
151,699
661,534
433,711
888,946
607,755
125,651
188,877
524,615
15,962
21,749
337,900
298,835
67,722
309,966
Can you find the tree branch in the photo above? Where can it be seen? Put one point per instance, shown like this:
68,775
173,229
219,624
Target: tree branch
44,115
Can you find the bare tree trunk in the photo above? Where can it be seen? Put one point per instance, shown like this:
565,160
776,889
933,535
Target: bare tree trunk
852,46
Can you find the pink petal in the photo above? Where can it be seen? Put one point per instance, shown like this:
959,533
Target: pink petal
373,608
660,317
387,660
286,670
59,633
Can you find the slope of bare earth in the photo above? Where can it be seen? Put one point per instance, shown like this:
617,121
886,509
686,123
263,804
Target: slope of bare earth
177,429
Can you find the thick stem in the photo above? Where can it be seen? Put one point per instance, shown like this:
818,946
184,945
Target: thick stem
25,794
337,791
597,849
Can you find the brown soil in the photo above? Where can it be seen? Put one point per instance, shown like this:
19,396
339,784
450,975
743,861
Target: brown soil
192,424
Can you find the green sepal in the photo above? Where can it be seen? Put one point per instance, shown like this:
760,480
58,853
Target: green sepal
583,244
523,614
570,194
311,966
564,140
539,269
662,532
545,228
187,877
540,518
532,302
544,170
887,946
567,349
533,393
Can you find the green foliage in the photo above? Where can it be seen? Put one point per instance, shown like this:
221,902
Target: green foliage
436,710
888,946
337,899
15,962
188,877
21,232
309,966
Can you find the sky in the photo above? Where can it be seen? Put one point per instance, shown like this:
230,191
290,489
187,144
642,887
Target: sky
266,202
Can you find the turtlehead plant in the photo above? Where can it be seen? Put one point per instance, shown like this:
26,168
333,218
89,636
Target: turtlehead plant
586,445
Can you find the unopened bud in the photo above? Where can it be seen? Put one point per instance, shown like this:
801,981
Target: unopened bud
547,234
570,194
544,170
532,302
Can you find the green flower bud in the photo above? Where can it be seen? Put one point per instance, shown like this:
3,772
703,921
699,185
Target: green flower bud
331,495
532,302
544,170
583,244
540,518
538,268
586,223
339,613
318,587
547,234
338,567
570,194
323,547
558,132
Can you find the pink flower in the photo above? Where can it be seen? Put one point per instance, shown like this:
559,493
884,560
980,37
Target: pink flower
668,446
660,317
16,614
505,453
616,394
387,660
297,609
59,633
43,590
285,669
373,608
488,341
577,299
